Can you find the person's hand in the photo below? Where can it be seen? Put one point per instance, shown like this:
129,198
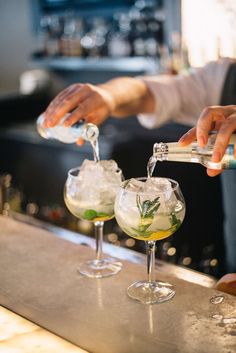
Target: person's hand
84,101
227,283
221,118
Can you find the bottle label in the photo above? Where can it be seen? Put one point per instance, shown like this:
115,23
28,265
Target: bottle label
229,162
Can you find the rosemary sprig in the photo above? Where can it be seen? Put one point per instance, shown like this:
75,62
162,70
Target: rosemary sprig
175,222
147,210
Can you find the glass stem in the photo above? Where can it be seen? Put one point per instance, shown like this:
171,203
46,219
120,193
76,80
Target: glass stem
99,239
151,247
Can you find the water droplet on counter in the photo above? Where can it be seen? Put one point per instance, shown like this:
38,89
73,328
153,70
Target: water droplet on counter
229,320
224,320
217,299
217,317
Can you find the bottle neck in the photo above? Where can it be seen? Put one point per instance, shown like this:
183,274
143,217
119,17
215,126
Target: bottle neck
172,152
191,153
89,132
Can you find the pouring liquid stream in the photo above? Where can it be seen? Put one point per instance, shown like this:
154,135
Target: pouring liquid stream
151,166
95,148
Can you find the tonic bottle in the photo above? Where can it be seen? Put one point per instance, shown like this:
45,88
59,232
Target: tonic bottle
86,131
193,153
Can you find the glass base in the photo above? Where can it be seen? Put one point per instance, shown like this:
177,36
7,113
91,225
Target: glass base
100,268
151,292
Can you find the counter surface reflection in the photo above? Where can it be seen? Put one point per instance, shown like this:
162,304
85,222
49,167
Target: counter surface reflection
39,280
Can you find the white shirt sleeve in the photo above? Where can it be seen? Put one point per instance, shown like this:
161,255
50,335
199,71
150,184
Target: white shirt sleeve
181,98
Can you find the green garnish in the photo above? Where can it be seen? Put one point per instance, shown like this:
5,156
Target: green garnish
102,214
147,210
175,222
91,214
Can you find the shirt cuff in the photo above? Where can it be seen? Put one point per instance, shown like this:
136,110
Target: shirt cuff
149,121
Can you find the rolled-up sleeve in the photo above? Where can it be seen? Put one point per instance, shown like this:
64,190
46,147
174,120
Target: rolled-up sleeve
181,98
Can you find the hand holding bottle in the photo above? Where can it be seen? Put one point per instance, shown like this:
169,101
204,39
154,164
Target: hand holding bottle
119,97
220,118
88,102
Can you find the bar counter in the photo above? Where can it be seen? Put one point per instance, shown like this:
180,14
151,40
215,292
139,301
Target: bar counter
40,282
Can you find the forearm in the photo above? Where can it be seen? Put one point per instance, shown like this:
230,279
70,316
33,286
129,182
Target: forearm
131,96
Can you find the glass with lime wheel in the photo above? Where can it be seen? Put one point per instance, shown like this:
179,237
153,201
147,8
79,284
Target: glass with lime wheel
89,194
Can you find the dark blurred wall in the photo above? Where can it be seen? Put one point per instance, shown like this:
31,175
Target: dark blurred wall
16,40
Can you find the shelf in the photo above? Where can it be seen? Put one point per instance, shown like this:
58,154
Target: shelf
129,64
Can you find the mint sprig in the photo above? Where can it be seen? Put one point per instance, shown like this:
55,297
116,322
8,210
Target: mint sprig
92,214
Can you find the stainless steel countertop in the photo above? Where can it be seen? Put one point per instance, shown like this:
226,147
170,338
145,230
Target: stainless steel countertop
40,281
120,252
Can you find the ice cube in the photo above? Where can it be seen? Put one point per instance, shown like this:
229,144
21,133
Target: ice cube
160,221
112,175
109,165
127,212
85,187
162,188
90,172
134,185
106,171
99,181
111,180
155,185
90,166
128,217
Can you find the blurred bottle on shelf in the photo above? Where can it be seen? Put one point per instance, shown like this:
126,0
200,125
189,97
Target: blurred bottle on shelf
118,41
70,40
138,31
98,33
50,32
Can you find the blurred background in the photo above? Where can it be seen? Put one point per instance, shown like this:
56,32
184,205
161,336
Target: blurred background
47,45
